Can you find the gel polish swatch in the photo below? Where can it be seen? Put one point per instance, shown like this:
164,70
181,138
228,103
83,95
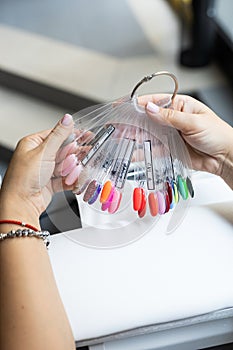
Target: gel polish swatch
95,194
162,202
185,189
90,190
105,191
65,151
169,191
65,167
167,201
107,204
180,186
153,203
73,175
175,192
114,205
137,198
190,186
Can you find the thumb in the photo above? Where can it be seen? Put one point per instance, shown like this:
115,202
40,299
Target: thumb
167,116
58,135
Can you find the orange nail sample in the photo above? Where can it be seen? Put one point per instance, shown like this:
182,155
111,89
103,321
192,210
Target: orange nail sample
153,203
106,191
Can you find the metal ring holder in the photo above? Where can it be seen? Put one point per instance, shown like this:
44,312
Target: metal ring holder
150,77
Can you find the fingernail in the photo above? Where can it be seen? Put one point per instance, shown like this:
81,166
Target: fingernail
73,176
67,119
152,107
68,164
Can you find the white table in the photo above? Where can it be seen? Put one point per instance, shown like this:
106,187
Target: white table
159,292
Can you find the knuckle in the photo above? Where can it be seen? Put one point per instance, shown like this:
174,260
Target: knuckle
169,114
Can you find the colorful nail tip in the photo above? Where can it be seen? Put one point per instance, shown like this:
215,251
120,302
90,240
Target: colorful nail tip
167,201
90,190
190,186
185,189
161,202
142,212
93,199
169,191
105,191
108,202
180,186
137,198
114,203
175,192
153,203
143,201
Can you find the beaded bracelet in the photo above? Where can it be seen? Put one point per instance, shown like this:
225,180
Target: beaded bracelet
27,233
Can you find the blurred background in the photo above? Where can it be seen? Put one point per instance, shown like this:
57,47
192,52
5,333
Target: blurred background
60,56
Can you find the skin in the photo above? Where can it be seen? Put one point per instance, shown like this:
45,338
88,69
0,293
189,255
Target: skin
208,138
32,314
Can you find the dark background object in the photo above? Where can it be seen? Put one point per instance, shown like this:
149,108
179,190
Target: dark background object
202,35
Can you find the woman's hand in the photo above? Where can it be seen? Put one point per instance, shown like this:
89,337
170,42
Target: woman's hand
29,183
30,300
209,139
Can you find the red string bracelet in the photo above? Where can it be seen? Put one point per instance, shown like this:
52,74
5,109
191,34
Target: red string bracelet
20,223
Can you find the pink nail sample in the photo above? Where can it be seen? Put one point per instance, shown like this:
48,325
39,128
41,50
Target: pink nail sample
74,174
63,168
107,203
161,202
65,151
119,202
115,202
68,164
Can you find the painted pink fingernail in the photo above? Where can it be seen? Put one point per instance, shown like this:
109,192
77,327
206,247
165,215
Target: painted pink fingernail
68,164
66,150
73,176
67,119
152,107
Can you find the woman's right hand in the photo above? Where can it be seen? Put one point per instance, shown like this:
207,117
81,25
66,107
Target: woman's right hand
209,139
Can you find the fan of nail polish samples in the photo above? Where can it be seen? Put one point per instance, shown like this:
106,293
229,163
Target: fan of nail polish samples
117,142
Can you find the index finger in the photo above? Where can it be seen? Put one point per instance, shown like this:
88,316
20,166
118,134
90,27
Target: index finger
155,98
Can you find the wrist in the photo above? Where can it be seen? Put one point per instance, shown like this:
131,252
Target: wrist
227,169
13,208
